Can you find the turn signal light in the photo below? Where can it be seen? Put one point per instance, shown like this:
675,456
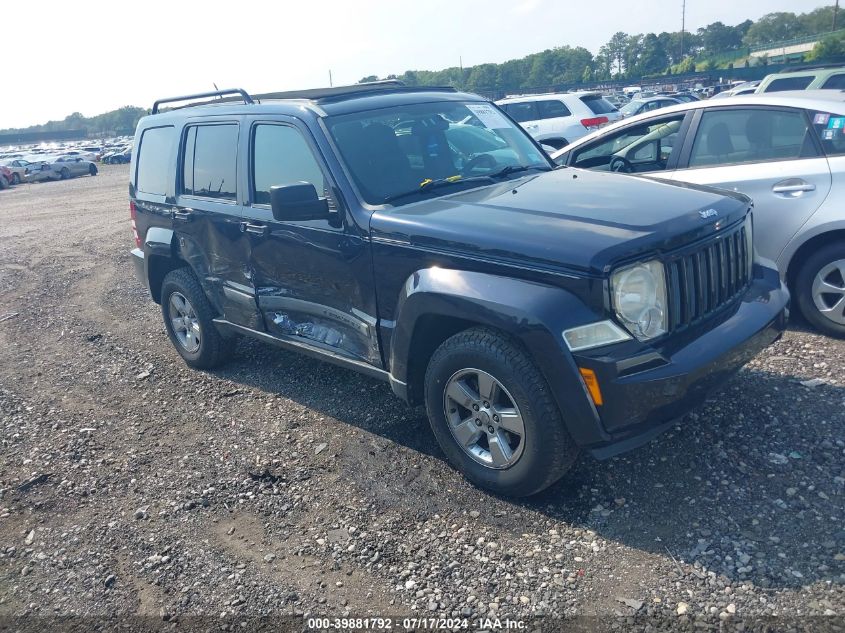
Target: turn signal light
589,377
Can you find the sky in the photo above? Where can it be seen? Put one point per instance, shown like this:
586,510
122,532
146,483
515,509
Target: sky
103,54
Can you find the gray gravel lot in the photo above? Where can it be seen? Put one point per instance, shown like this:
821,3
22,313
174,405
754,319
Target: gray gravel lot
132,485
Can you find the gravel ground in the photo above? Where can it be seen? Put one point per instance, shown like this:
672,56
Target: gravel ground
132,485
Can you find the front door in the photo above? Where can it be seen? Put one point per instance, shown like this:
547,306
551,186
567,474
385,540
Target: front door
767,153
313,278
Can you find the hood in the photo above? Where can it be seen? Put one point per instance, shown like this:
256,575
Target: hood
569,220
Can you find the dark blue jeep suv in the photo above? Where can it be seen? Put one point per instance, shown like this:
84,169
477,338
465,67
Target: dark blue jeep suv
422,237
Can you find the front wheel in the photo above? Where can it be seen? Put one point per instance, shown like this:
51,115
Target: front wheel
92,169
493,414
820,289
16,178
188,317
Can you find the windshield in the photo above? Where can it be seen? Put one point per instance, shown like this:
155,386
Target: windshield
395,154
631,107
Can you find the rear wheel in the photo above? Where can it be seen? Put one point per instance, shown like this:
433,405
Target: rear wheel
92,169
16,178
188,317
820,289
493,414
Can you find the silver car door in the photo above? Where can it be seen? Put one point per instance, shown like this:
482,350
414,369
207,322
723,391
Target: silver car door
767,153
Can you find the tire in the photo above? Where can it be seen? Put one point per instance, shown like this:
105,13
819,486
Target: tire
92,169
65,173
828,265
4,184
544,451
211,349
16,178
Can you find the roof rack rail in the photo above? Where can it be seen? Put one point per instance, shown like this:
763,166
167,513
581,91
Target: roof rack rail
203,95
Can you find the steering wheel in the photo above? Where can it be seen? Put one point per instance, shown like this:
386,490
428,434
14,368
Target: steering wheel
479,160
621,164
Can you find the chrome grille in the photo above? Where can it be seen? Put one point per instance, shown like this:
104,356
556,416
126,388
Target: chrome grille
702,281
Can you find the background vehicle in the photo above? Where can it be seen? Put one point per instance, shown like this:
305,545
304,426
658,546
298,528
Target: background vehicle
558,119
746,88
117,157
647,104
5,177
70,166
786,151
531,312
809,78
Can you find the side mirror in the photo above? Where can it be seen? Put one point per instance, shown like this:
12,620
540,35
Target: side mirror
298,201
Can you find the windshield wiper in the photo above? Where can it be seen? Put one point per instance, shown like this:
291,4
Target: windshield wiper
512,169
428,184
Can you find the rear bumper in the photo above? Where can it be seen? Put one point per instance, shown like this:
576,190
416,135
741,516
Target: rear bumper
643,394
139,265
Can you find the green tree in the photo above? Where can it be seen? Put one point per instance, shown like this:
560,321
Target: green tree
773,27
368,79
829,47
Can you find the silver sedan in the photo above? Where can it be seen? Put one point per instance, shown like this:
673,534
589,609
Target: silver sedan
785,150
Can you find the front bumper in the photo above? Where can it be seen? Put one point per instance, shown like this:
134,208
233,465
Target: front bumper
645,391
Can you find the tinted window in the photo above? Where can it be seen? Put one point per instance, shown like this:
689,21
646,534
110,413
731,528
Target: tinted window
598,104
750,136
789,83
835,81
521,112
281,156
154,155
213,171
552,109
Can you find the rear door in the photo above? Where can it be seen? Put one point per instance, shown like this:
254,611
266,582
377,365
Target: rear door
312,277
768,153
555,123
207,217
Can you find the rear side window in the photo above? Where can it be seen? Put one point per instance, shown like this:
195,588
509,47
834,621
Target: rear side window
281,156
598,104
521,112
154,154
789,83
755,135
831,131
210,161
835,81
552,109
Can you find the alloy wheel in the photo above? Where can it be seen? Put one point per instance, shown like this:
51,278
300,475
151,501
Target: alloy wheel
829,291
185,323
484,418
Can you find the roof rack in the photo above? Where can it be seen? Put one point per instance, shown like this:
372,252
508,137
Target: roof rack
203,95
337,93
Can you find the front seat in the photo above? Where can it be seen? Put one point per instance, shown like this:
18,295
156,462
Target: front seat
719,145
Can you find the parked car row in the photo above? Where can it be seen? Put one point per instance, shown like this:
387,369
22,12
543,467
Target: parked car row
54,168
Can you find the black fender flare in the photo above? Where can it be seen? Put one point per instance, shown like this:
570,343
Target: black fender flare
533,313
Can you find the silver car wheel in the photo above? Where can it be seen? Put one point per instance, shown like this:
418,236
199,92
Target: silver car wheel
484,418
829,291
186,325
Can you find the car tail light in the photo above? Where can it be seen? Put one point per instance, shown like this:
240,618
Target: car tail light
594,122
133,214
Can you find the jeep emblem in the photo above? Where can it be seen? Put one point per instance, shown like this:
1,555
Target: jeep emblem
708,213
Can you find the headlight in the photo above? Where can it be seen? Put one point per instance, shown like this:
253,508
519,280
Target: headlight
639,299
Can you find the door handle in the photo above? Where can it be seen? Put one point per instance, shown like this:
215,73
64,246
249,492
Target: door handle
183,215
255,229
794,186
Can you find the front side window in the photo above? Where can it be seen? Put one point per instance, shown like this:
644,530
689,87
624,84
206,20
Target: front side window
155,152
638,148
632,107
750,135
281,156
210,161
522,112
398,155
552,109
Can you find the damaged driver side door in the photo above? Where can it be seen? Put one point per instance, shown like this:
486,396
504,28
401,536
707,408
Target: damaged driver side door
311,277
